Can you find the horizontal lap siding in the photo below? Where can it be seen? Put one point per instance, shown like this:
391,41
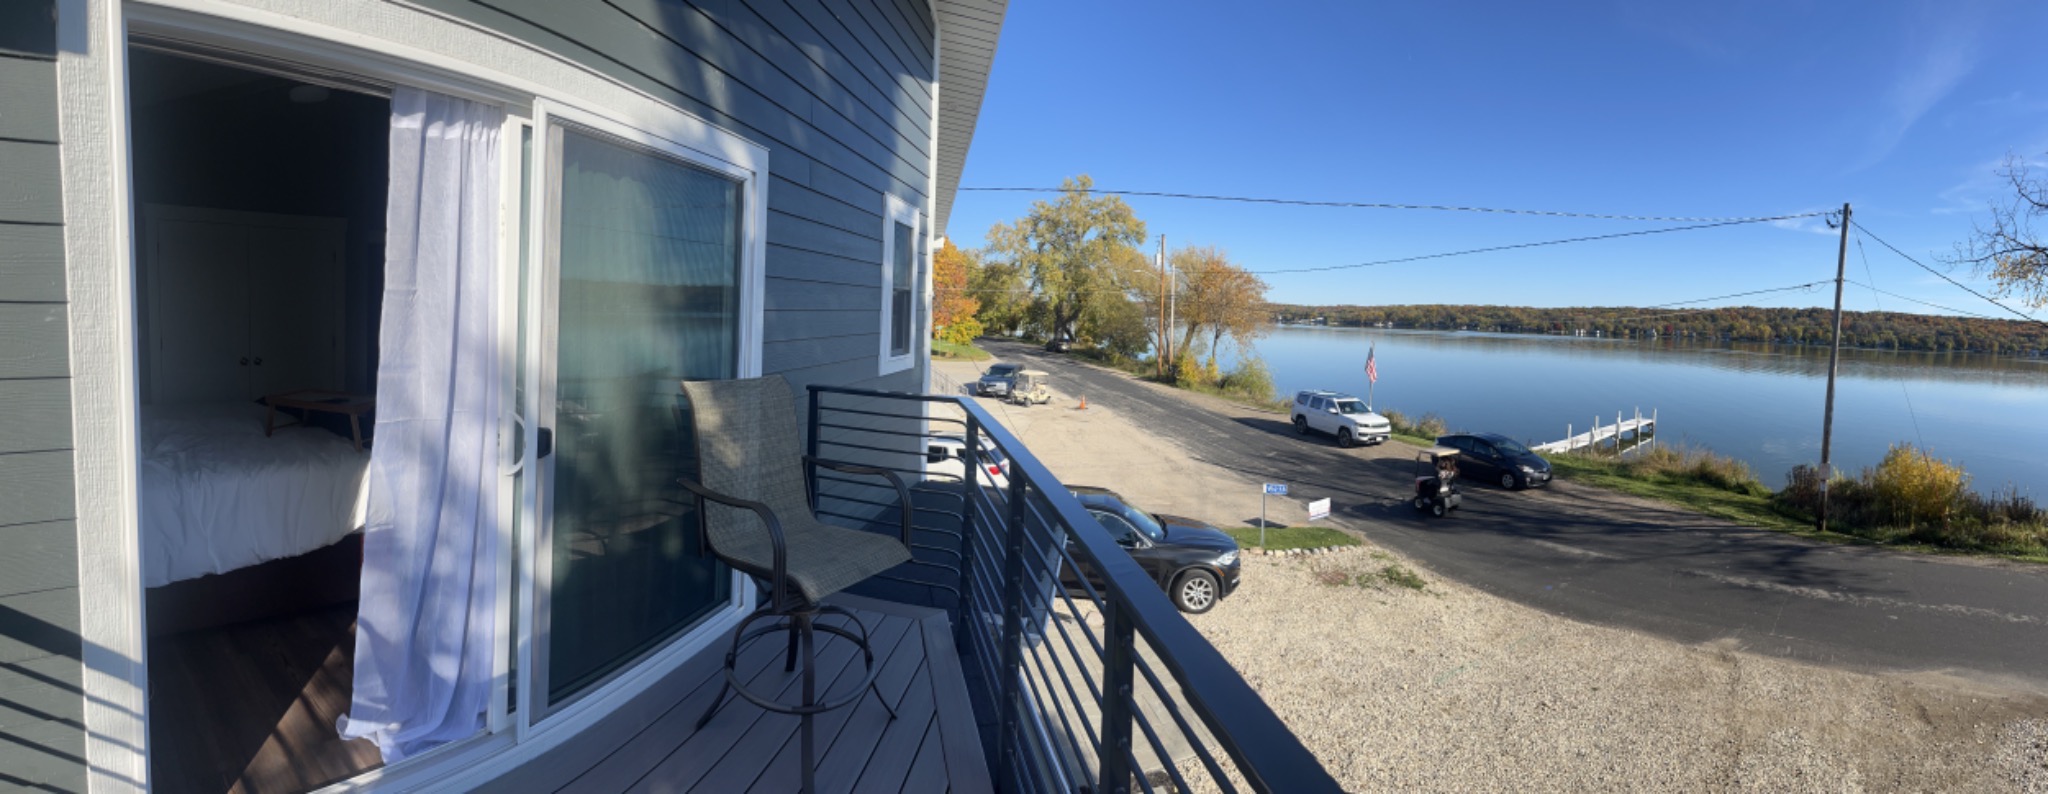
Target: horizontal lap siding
42,736
837,91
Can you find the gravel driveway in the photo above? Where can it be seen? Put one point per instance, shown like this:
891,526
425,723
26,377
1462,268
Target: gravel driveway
1449,689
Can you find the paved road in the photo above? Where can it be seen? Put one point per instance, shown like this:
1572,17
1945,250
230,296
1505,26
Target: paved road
1595,556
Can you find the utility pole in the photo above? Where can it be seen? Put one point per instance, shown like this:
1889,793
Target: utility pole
1163,329
1827,426
1172,303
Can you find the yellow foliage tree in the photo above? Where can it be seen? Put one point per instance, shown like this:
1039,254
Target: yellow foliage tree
953,306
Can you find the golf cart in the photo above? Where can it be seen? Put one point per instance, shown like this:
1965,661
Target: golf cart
1436,480
1027,387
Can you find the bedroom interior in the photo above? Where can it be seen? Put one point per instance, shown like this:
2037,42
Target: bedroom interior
261,205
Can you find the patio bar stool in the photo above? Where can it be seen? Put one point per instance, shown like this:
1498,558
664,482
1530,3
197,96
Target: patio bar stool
754,513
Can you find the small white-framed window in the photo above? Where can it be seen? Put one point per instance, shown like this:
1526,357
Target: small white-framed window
900,277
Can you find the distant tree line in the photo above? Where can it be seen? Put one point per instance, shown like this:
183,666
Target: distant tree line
1882,330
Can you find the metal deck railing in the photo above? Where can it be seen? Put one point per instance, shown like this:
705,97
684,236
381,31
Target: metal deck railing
1078,687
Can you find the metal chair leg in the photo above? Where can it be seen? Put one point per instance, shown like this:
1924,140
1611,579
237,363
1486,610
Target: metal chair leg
810,758
789,661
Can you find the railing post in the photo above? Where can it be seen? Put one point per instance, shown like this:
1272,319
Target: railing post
1117,672
1013,624
970,488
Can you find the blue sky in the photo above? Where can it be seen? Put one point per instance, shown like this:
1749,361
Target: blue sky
1698,109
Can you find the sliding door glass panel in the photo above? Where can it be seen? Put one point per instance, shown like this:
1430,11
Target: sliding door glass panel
648,296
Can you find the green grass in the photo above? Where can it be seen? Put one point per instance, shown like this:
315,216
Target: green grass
1750,507
1279,538
948,350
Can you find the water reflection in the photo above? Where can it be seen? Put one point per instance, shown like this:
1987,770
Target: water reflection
1759,402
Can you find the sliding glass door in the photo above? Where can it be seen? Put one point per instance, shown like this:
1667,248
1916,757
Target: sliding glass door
644,264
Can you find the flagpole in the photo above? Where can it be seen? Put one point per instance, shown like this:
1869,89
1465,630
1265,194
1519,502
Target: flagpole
1370,381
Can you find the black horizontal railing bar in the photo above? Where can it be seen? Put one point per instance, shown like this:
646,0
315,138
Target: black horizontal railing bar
1159,748
1046,631
1074,747
920,397
867,448
1268,755
891,505
1180,721
1060,710
917,434
1068,640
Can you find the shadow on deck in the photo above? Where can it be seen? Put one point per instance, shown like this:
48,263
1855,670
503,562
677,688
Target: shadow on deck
932,745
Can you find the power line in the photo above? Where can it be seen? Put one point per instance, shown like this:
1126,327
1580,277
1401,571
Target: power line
1379,205
1910,412
1492,249
1921,302
1944,276
1807,285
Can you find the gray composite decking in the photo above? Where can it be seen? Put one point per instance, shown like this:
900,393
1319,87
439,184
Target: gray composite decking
652,745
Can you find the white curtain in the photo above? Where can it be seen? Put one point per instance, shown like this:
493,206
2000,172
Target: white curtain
425,627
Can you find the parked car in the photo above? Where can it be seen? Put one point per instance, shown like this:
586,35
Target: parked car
1059,344
1196,563
1340,415
1492,457
995,381
946,459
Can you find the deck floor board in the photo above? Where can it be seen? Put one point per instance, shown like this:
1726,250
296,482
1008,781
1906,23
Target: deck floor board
653,745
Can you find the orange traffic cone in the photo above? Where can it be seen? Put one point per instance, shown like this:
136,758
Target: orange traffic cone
1084,403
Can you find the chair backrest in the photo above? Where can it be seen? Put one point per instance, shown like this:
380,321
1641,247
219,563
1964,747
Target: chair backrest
748,447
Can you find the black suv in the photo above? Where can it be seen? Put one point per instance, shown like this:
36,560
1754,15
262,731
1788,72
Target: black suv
1195,562
1493,457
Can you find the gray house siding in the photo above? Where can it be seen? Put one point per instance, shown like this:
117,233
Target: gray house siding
838,92
42,733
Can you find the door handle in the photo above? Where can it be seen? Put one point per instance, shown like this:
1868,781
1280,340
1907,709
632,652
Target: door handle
545,446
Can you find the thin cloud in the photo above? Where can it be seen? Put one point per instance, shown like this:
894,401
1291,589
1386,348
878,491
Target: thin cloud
1935,67
1984,185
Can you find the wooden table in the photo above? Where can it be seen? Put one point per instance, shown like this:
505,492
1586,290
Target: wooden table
351,405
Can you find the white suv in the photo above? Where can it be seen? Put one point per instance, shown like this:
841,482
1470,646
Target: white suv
1340,415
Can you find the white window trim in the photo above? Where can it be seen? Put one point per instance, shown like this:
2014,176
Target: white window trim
898,211
384,39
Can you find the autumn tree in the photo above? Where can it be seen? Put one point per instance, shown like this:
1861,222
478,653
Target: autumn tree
1066,249
1217,298
1000,289
2006,246
953,307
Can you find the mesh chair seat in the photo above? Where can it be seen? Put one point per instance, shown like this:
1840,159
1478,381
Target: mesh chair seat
822,559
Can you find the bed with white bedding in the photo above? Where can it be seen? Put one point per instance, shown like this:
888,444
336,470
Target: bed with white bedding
218,495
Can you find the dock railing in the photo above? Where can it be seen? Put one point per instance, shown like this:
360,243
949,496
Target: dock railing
1082,683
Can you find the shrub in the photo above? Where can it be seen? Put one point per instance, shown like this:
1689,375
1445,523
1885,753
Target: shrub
1189,372
1431,426
1916,488
1398,420
1250,380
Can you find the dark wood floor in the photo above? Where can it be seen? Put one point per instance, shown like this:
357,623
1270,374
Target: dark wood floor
651,745
251,707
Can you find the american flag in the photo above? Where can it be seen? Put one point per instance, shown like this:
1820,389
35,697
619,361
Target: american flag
1372,371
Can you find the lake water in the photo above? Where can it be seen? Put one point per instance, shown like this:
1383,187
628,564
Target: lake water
1760,403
